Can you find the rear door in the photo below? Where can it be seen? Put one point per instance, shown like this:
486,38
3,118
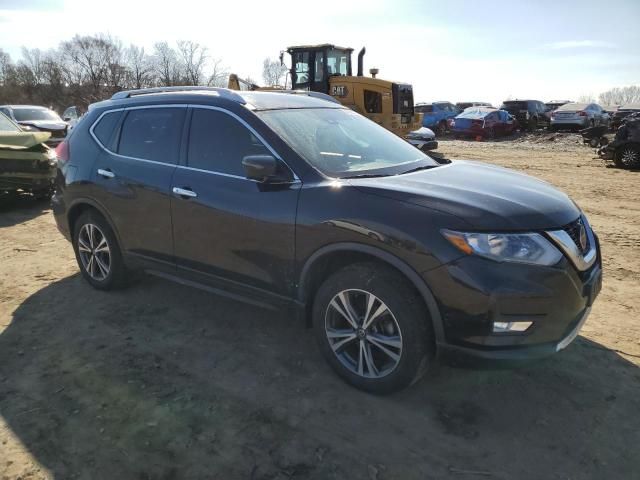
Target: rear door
229,231
134,178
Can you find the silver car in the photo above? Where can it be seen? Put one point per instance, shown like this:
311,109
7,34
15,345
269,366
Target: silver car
579,115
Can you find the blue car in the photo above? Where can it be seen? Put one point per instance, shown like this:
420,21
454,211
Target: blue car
437,115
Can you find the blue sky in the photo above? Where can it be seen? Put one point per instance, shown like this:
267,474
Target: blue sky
462,50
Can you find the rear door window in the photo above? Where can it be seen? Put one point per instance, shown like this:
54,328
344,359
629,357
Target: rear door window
218,142
152,134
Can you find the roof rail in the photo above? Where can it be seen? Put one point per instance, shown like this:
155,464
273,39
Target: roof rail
308,93
222,92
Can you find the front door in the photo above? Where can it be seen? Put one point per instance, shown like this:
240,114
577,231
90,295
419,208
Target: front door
230,231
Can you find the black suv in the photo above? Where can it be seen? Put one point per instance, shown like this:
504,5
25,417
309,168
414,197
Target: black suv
531,114
282,198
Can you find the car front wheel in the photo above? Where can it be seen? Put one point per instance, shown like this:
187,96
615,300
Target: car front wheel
372,328
97,252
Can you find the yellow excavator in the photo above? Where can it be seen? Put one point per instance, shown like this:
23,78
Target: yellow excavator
327,69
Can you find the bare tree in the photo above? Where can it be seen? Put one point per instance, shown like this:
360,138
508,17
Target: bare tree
621,96
194,58
167,64
273,72
587,98
31,65
5,66
95,61
140,67
218,73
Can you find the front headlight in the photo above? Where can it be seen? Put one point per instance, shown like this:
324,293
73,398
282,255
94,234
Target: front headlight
29,128
531,248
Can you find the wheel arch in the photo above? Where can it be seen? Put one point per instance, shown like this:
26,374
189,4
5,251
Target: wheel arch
81,205
327,259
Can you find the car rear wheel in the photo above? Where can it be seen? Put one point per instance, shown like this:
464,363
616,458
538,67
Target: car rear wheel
533,124
441,129
98,253
372,328
628,156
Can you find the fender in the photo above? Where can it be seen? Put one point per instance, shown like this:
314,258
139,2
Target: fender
100,209
410,273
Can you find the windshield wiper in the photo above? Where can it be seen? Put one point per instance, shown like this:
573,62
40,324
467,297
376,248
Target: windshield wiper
417,169
367,175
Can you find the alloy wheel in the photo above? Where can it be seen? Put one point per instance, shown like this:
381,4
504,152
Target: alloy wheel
94,251
630,157
363,333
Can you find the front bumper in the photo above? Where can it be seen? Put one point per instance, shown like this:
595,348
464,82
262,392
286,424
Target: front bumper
473,293
26,180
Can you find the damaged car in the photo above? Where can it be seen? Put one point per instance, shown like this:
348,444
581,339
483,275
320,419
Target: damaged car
26,163
624,150
33,118
423,139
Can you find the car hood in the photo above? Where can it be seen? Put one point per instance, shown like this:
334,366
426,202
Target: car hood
484,196
22,140
45,124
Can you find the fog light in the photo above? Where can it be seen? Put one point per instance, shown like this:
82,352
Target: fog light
506,327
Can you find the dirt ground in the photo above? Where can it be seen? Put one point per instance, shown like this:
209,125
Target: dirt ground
165,382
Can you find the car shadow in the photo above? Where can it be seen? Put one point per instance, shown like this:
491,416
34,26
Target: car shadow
19,207
160,381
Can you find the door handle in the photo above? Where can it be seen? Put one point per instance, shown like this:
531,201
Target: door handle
184,192
106,173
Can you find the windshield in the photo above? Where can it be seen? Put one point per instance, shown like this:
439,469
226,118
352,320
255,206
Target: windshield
342,143
26,114
7,125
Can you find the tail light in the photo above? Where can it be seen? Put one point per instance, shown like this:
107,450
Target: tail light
582,114
62,151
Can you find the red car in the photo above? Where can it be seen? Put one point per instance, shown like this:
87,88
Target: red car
484,122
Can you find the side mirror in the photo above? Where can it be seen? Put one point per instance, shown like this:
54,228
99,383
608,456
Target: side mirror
264,169
66,119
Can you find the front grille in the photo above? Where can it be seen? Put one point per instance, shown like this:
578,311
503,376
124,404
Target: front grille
573,229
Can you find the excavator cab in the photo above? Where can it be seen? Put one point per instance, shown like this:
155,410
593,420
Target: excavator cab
313,65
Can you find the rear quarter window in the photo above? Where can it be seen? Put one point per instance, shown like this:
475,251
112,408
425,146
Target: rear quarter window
104,128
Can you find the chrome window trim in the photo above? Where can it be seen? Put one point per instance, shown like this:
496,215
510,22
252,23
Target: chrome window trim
296,179
566,244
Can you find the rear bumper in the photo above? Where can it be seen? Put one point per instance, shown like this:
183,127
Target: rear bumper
570,122
60,214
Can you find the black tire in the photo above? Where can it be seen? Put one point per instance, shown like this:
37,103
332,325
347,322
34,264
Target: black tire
116,273
405,318
533,124
490,133
627,156
441,129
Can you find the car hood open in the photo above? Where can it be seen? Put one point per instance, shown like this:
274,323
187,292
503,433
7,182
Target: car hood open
485,196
